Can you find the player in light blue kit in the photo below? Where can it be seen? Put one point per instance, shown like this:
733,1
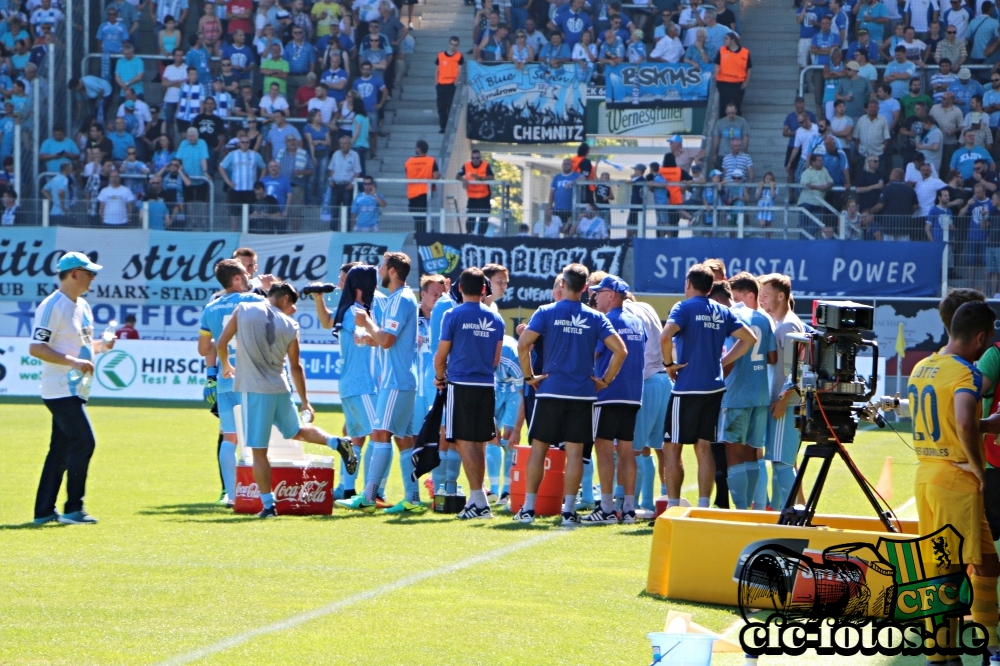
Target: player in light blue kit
431,289
357,386
783,437
748,394
266,335
395,335
450,459
499,278
508,383
233,277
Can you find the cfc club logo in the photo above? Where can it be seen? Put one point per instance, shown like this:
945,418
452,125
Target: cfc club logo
439,258
116,370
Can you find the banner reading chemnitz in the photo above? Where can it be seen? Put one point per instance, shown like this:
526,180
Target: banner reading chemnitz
535,104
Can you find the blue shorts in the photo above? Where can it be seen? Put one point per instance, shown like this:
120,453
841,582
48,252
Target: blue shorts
782,438
394,412
260,411
745,425
359,414
505,408
649,422
227,419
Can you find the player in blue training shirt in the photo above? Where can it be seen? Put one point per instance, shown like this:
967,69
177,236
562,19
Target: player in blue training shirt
468,353
395,335
499,278
566,389
233,277
617,405
701,327
748,394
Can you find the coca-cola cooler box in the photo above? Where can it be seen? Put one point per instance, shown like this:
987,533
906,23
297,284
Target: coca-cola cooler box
302,484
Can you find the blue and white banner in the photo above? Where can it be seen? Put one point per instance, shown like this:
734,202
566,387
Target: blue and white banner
821,268
656,84
535,104
161,268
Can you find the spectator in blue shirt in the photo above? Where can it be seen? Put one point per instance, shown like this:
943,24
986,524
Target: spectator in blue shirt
899,72
573,23
112,34
365,211
57,150
277,185
561,194
964,159
121,141
57,191
301,57
198,57
240,56
964,89
130,71
555,53
863,43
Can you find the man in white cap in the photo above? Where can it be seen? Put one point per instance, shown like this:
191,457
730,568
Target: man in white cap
684,157
62,339
964,89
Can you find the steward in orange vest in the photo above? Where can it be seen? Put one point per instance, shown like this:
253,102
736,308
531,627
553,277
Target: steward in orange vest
449,64
420,167
583,166
473,171
732,73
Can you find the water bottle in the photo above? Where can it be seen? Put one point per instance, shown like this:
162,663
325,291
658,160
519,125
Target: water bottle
359,338
307,417
109,333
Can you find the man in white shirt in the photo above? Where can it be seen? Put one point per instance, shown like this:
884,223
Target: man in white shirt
345,167
173,77
115,202
550,230
63,340
927,188
591,226
535,39
326,105
669,48
141,110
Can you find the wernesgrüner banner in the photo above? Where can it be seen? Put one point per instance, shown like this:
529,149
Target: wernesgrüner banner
536,104
821,268
656,85
165,278
533,265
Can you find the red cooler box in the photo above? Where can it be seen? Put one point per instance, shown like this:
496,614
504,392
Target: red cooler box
298,491
302,484
550,493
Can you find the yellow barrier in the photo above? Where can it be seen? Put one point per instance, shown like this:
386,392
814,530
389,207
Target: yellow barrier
696,553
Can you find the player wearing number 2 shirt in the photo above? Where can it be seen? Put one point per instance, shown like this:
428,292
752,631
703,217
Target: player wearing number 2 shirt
944,391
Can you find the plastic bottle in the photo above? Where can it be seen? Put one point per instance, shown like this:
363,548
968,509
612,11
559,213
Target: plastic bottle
109,333
307,417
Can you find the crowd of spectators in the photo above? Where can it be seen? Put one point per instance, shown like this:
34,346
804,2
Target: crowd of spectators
230,76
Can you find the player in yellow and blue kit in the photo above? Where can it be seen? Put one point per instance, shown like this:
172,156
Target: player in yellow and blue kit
944,392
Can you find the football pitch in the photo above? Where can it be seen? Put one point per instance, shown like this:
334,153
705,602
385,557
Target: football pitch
168,577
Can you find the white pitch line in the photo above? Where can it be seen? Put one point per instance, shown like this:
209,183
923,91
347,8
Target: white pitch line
907,504
297,620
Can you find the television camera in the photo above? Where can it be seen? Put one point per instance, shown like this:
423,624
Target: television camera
834,397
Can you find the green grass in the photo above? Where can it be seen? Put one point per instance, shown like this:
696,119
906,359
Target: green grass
166,571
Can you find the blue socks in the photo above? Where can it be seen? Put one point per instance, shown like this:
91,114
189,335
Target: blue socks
438,473
494,459
367,460
508,464
737,478
784,477
381,460
638,478
704,502
267,499
648,480
587,483
760,496
411,488
227,463
385,474
453,468
348,481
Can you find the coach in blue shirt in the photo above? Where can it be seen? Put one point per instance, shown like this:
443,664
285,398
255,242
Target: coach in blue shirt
701,327
618,404
467,355
567,388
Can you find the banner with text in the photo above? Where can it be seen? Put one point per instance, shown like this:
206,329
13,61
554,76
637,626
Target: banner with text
156,370
160,268
656,85
645,122
833,268
536,104
533,266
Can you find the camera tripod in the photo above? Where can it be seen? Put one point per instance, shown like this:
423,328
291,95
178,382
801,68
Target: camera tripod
825,450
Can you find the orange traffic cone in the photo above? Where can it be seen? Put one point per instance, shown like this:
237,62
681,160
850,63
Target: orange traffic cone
884,485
